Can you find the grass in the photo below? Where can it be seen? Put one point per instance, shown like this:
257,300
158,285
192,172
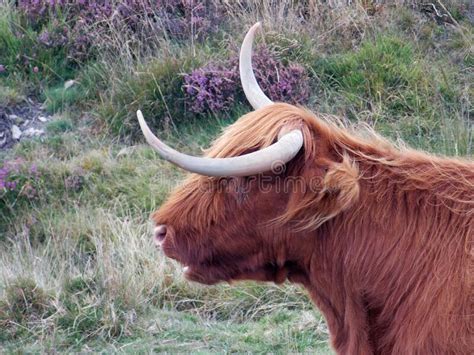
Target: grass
388,83
27,61
80,257
77,268
76,251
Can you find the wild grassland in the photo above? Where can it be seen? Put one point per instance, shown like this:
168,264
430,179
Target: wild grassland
77,267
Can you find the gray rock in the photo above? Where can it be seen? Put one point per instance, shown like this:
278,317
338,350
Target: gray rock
43,119
33,132
69,83
5,130
16,132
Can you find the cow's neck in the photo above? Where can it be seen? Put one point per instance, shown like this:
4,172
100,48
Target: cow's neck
368,260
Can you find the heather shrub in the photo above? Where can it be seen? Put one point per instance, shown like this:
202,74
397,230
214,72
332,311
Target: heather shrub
46,42
281,82
216,87
89,21
18,180
211,88
21,184
180,19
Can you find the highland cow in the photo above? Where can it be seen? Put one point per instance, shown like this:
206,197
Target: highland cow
380,236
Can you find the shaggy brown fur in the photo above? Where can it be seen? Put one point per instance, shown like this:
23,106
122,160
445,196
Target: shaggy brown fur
382,237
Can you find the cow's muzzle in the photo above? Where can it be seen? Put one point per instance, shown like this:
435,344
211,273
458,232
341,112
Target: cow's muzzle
159,234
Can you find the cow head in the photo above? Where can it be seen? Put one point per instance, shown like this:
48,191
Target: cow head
250,207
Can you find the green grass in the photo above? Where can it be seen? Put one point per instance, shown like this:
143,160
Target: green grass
170,331
10,96
77,251
28,61
390,84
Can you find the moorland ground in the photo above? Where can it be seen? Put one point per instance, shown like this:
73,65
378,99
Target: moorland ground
78,271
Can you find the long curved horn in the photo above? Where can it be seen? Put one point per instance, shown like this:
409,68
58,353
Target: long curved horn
254,94
260,161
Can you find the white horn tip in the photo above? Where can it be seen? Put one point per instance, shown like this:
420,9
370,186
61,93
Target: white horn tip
141,120
255,27
144,127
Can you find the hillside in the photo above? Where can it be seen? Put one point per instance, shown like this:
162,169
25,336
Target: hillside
78,271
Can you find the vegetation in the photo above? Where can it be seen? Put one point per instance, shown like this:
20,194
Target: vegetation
77,268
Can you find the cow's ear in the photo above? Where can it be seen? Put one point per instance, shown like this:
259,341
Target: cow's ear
333,190
340,187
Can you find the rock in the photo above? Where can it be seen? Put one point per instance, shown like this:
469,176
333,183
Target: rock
69,83
4,138
43,119
33,132
25,123
5,130
16,132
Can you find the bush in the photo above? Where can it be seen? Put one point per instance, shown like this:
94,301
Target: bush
211,88
19,185
88,21
18,179
216,87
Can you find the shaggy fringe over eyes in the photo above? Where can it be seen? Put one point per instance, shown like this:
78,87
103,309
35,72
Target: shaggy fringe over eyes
339,189
355,151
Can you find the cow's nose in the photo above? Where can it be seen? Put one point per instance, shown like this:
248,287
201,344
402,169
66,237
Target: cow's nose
159,234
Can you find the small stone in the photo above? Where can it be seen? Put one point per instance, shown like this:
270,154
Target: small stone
25,123
43,119
33,132
16,132
69,83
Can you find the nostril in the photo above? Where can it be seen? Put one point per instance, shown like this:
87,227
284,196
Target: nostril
160,233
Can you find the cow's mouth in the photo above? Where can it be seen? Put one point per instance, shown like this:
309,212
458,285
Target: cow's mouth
210,272
204,274
210,275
